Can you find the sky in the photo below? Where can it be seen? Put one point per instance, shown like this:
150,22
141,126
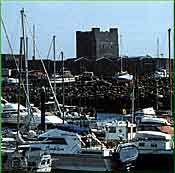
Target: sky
139,23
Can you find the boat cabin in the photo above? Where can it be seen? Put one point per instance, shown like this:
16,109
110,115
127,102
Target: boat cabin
59,142
153,141
120,131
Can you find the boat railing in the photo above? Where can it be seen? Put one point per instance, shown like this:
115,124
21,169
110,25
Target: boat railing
73,149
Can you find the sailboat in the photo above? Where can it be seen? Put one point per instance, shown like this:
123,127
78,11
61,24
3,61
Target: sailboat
16,158
122,75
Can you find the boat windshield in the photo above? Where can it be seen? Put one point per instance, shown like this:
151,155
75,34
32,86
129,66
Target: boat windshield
128,153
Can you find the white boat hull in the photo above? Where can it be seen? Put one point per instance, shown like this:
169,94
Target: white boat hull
45,169
81,162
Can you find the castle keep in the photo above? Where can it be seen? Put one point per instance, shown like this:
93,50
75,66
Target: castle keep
97,44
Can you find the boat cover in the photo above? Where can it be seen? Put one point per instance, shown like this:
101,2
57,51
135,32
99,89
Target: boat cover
73,128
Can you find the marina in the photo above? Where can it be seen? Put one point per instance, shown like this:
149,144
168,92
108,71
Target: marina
100,111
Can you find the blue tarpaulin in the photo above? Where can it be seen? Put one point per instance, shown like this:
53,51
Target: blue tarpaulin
73,128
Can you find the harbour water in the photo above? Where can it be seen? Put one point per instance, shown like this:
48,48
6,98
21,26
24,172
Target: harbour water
133,171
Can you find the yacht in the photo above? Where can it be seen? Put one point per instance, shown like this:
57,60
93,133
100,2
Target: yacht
82,151
123,75
155,124
30,161
68,78
10,114
115,131
127,157
155,150
146,112
154,139
161,73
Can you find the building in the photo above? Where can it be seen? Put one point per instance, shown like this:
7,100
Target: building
102,67
9,64
97,44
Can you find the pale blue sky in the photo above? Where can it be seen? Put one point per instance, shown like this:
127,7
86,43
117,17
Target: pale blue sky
139,23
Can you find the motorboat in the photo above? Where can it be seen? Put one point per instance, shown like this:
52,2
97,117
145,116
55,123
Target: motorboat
124,75
154,139
30,161
39,160
76,150
155,150
114,131
124,158
10,114
153,123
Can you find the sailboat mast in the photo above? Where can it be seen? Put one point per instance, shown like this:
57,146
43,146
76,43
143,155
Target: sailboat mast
158,66
19,74
133,99
62,59
158,52
133,106
25,51
22,53
27,74
54,57
121,60
25,54
19,84
170,73
23,33
33,42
